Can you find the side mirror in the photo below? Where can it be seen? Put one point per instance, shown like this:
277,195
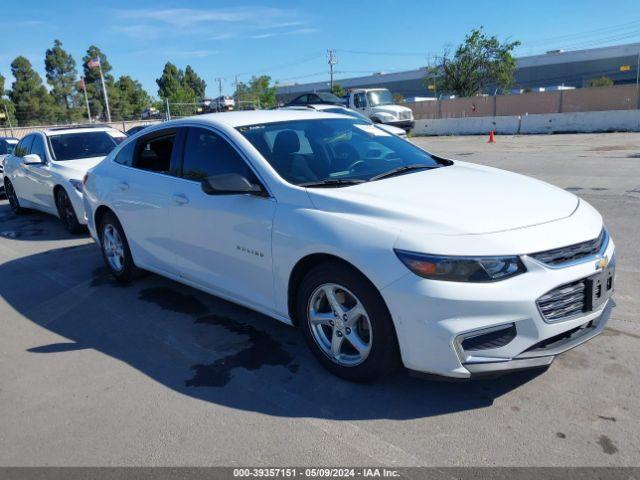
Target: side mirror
32,159
230,184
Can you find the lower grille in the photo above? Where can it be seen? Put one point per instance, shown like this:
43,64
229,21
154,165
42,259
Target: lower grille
487,341
564,301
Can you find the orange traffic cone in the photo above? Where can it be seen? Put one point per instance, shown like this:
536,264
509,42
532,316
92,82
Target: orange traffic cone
492,137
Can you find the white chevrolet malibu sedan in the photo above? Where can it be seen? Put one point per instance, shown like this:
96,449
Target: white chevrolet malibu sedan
378,250
45,170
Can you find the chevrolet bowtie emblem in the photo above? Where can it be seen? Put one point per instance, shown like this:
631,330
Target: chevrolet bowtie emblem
602,263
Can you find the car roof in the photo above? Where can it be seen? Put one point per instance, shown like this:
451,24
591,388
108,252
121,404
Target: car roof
258,117
78,129
12,139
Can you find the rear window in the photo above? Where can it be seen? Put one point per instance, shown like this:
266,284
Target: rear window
72,146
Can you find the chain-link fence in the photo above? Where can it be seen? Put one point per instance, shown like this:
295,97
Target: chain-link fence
19,132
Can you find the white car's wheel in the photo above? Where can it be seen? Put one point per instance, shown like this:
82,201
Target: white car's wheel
346,323
12,196
115,249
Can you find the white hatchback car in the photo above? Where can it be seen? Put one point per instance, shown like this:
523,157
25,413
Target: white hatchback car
45,170
378,250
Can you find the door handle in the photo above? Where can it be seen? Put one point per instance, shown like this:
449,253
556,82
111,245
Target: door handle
123,186
179,199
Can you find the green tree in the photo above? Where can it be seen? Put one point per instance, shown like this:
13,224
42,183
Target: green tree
92,79
172,85
258,91
128,99
478,62
61,75
194,82
600,82
5,102
337,90
398,98
32,102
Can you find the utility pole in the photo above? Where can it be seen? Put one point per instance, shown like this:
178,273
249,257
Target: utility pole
104,91
332,60
86,99
8,118
638,79
219,102
236,90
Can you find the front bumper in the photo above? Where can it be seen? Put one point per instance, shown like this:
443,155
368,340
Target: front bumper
406,125
431,317
77,201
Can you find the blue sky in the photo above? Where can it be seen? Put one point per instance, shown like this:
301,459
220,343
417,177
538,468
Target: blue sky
288,39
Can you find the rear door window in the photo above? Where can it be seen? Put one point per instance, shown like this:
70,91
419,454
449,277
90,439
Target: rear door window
154,153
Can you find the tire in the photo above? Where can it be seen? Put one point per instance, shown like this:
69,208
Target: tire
371,328
115,249
67,213
12,196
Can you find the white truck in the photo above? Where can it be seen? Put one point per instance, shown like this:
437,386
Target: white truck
378,105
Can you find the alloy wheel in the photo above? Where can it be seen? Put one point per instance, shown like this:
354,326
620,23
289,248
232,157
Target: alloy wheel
340,324
113,247
66,209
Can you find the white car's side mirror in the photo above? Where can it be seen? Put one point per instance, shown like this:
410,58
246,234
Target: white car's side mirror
32,159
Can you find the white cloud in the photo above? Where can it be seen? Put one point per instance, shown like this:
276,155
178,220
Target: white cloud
183,18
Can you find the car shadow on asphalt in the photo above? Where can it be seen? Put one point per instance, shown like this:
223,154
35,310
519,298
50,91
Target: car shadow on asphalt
32,225
210,349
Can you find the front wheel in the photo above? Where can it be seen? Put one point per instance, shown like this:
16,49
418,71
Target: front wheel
346,323
66,212
12,196
115,249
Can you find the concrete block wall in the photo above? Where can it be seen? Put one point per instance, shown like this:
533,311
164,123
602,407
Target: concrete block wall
571,122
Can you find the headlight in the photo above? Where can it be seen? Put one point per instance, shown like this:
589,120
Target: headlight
461,269
77,184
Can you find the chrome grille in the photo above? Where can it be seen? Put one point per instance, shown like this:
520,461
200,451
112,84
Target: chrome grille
563,302
572,253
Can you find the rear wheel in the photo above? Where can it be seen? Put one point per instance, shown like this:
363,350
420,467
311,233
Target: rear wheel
12,196
346,323
66,212
115,249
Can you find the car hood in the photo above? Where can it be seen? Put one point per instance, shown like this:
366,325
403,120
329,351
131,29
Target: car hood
392,109
81,165
459,199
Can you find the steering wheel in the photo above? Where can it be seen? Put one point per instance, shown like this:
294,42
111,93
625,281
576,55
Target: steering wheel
357,165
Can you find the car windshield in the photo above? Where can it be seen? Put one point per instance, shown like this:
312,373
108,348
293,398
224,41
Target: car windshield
380,97
73,146
328,97
335,151
11,145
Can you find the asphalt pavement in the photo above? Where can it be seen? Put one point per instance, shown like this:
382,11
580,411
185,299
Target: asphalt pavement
155,373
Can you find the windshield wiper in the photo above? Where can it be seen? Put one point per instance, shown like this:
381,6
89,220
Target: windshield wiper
404,168
331,182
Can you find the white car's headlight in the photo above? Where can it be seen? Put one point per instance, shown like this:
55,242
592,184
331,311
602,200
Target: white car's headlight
77,184
461,269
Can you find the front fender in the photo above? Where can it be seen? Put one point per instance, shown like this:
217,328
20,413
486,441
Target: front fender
298,233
